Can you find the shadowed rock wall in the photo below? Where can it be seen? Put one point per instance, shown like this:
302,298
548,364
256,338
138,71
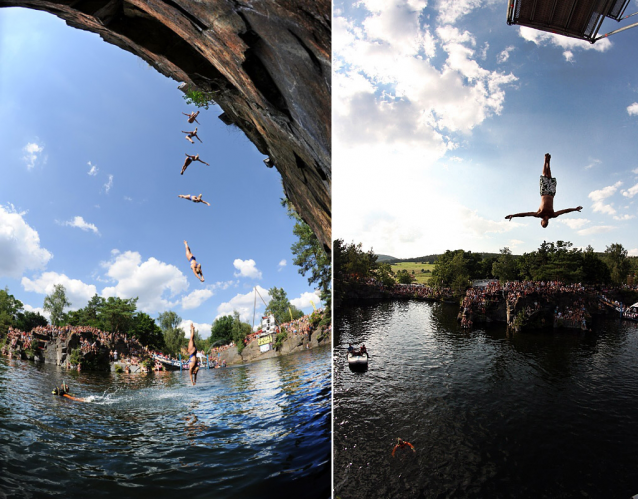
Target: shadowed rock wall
267,63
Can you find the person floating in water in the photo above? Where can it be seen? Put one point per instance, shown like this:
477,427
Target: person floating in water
401,444
195,267
193,198
189,159
192,117
190,135
193,362
61,390
548,191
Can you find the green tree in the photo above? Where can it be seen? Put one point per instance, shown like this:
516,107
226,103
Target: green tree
221,332
279,305
404,277
239,331
618,263
505,268
199,98
594,269
10,308
174,336
117,313
55,303
145,329
28,320
451,271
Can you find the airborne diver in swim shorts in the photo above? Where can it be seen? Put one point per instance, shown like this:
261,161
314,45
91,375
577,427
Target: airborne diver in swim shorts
548,191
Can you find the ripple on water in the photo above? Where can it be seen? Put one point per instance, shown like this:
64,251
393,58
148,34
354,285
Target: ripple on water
238,430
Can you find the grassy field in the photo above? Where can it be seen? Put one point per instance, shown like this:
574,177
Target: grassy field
421,277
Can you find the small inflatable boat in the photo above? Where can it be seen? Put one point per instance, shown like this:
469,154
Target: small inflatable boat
358,359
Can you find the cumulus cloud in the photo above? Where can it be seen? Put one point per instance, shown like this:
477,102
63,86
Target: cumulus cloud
569,45
196,298
31,154
203,329
37,310
20,248
632,110
243,304
633,252
599,196
281,265
246,268
599,229
109,184
80,223
304,301
572,223
624,217
154,282
94,169
77,292
504,55
631,192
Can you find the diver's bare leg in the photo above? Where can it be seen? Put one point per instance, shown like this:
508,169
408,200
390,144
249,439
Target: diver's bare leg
547,172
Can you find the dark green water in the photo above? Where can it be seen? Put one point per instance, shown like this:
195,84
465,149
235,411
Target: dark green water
537,415
259,430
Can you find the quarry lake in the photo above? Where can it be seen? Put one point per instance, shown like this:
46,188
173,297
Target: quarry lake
256,430
551,413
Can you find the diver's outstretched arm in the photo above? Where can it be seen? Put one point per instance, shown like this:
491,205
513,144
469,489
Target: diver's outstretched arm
526,214
568,210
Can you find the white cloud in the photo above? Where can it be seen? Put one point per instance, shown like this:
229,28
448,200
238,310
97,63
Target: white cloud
109,184
593,162
599,196
543,38
599,229
304,300
37,310
80,223
572,223
152,281
203,329
633,252
196,298
504,55
281,265
632,110
19,245
94,169
631,192
624,217
244,305
77,292
451,11
514,243
246,269
31,154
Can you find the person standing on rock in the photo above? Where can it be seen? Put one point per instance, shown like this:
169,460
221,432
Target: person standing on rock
190,135
193,362
195,267
192,117
189,159
193,198
548,191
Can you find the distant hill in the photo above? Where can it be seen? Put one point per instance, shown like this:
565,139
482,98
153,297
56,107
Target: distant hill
385,258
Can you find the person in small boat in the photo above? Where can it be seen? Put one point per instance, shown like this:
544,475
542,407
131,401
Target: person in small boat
189,159
195,267
362,350
350,348
548,191
401,444
190,135
193,362
193,198
192,117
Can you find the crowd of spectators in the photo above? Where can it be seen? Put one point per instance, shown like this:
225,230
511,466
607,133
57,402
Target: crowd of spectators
573,315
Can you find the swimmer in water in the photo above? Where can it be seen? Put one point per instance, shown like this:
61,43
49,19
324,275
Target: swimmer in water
64,388
192,117
193,362
401,444
193,198
548,191
190,135
195,267
189,159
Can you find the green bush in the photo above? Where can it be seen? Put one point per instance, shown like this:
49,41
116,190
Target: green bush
119,368
279,340
76,357
199,98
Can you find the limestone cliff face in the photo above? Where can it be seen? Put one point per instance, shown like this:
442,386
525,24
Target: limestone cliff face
266,61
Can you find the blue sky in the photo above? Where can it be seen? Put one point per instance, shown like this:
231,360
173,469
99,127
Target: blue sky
91,151
442,114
